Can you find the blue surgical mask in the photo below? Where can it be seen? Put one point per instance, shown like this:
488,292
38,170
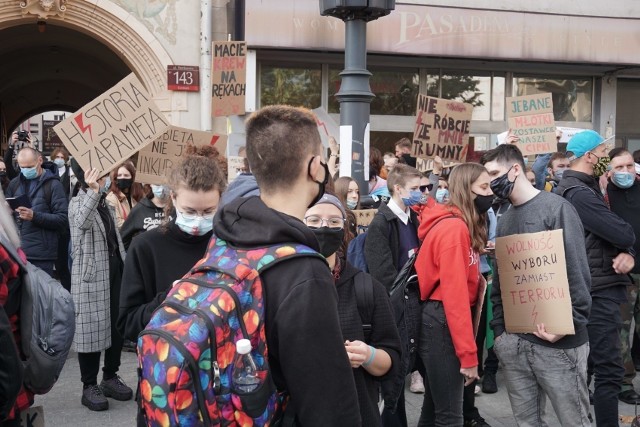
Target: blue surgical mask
59,162
194,225
414,198
29,173
441,194
159,191
623,179
352,204
558,174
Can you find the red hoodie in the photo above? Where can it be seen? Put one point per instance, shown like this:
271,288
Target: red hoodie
448,271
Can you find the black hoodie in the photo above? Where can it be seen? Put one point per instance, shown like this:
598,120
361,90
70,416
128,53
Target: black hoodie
144,216
306,351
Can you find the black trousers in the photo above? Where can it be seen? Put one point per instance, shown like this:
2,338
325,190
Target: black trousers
62,262
90,362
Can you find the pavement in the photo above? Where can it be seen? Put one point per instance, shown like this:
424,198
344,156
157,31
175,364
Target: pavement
62,404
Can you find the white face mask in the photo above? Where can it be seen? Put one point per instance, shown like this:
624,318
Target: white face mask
194,225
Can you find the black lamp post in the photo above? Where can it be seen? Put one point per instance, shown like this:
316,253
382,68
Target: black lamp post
355,93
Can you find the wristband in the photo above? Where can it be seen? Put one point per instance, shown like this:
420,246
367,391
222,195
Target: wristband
373,355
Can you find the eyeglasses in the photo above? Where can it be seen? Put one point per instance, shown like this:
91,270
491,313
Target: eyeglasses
316,222
425,188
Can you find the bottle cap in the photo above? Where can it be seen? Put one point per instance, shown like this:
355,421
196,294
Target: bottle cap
243,346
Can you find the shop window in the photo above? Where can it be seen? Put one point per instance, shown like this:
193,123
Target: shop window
396,92
291,86
474,90
572,98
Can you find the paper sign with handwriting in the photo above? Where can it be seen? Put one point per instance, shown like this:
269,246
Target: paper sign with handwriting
112,127
229,78
533,282
156,159
530,118
441,129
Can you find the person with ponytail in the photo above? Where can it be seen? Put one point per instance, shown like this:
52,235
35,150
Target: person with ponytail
453,236
124,192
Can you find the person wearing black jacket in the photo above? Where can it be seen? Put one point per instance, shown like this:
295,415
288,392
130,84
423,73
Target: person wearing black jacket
160,256
146,215
307,355
374,353
609,242
623,192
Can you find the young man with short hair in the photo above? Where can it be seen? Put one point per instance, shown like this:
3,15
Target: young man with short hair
307,355
609,241
558,164
541,364
403,152
623,193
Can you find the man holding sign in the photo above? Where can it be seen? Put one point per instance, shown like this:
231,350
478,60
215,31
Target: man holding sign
543,359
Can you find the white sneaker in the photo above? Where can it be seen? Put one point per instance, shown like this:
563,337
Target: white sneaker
417,383
476,390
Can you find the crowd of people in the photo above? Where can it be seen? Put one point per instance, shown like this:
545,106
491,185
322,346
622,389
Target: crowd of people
119,246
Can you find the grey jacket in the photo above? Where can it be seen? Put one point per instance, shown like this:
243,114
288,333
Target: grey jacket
90,273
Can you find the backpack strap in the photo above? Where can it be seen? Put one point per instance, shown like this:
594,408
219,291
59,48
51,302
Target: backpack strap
363,286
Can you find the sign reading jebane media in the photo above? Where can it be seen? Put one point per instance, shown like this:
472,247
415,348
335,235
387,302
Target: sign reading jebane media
533,282
228,78
530,118
156,159
112,127
442,129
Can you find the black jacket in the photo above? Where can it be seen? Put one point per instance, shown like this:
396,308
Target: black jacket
606,234
39,237
306,351
626,204
384,335
382,245
144,216
156,258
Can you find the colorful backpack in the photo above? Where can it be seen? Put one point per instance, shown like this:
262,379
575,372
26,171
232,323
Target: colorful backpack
186,352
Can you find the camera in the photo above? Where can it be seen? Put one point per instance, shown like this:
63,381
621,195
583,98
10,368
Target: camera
22,135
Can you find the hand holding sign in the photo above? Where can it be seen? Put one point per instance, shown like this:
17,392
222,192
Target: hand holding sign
544,335
91,179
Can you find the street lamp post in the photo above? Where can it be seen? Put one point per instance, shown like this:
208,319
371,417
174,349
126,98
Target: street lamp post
355,93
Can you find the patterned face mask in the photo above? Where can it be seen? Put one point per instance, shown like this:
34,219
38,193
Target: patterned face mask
600,168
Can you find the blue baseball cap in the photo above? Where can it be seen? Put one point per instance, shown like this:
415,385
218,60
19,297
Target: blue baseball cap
582,142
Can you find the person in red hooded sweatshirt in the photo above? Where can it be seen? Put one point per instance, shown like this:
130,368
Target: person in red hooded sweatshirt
453,236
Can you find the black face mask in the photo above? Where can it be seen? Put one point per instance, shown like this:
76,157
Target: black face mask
123,183
329,239
483,203
322,183
501,186
3,174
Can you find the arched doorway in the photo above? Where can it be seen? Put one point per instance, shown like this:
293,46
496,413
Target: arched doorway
85,48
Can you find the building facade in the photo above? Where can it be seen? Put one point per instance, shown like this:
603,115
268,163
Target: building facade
477,51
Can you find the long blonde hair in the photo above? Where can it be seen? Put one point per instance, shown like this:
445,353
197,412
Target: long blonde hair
461,196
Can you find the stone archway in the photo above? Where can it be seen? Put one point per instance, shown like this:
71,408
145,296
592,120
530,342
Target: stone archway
127,39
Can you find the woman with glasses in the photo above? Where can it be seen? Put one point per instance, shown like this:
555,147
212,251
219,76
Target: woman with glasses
158,257
372,344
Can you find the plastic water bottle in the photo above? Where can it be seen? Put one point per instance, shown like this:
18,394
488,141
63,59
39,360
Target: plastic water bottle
245,375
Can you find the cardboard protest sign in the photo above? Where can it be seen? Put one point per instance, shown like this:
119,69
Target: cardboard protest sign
442,129
364,218
228,78
236,165
32,417
326,126
533,282
530,118
112,127
156,159
426,165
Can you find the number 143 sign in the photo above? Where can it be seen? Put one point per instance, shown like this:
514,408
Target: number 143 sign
183,77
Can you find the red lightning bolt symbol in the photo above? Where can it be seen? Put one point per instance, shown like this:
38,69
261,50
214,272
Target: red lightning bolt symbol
418,123
322,125
214,139
79,120
534,314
